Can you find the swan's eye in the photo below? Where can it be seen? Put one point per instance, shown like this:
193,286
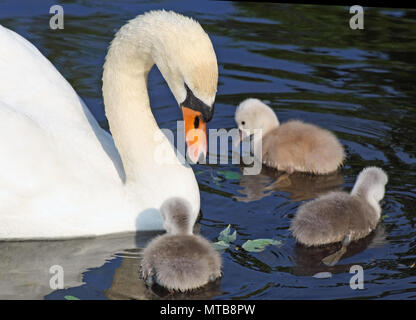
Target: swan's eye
243,123
196,122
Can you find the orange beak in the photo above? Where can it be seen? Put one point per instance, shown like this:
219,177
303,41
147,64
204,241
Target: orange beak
195,134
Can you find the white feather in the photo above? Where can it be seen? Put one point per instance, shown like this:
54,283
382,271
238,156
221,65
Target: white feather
60,173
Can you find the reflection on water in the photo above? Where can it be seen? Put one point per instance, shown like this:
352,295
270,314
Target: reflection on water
26,265
309,259
126,284
307,64
299,186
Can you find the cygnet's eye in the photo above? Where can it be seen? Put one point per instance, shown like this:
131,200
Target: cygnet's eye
243,123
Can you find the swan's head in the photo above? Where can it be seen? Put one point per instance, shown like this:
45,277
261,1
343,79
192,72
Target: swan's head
184,55
176,214
186,58
371,183
253,114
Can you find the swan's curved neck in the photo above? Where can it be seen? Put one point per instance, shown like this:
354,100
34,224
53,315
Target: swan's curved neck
127,106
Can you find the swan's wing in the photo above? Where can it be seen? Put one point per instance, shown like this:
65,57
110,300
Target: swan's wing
32,85
47,108
27,157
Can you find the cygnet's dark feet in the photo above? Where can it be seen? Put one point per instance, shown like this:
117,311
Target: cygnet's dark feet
333,259
282,181
148,276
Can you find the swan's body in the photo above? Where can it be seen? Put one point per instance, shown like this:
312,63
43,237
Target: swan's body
179,260
339,215
61,175
293,145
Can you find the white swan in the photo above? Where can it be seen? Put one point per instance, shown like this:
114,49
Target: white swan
61,175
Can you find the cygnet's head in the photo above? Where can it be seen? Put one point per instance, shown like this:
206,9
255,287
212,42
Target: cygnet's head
176,214
371,183
253,114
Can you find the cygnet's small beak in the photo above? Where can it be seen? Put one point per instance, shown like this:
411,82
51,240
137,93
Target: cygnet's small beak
242,135
238,139
195,134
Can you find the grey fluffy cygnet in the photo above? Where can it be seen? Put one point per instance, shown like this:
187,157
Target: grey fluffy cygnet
291,146
342,216
179,260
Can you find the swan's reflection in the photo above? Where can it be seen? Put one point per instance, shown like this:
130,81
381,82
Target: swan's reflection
308,260
300,186
25,265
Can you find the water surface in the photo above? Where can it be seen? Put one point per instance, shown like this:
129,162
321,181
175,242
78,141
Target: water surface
307,64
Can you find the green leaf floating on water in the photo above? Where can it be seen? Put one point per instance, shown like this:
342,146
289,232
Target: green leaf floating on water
229,175
227,236
71,298
259,245
220,245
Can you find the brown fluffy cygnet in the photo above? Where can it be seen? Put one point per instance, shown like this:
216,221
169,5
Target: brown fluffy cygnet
179,260
291,146
342,216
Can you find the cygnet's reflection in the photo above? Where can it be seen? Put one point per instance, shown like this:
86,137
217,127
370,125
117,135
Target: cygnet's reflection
300,186
308,260
127,284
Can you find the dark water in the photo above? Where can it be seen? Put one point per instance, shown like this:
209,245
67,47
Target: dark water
308,64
